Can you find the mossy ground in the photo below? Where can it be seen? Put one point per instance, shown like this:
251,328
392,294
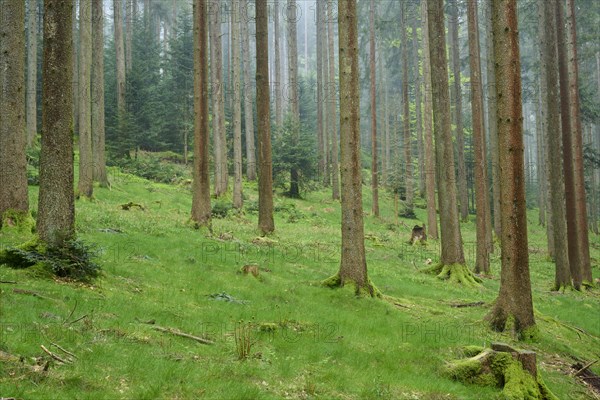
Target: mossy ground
327,343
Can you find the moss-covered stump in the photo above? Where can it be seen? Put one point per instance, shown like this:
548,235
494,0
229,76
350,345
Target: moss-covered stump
455,273
513,370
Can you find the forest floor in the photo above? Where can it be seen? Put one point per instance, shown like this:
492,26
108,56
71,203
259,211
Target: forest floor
297,339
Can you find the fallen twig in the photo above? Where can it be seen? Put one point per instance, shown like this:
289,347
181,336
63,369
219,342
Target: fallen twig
32,293
11,282
63,350
462,305
586,366
51,354
177,332
78,319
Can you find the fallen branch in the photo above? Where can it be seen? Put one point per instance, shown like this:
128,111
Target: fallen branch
63,350
586,366
31,293
473,304
78,319
11,282
54,356
177,332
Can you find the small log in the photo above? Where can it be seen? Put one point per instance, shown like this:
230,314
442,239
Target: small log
586,366
10,282
473,304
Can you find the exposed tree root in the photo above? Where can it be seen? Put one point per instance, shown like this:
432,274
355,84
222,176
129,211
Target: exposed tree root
502,366
368,289
455,273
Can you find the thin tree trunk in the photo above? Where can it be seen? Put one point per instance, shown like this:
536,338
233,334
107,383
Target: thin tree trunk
328,92
463,195
382,116
541,176
492,116
418,116
292,18
238,201
13,164
555,158
201,210
248,95
408,167
218,107
86,168
452,249
56,203
32,71
278,68
128,33
120,57
75,80
374,184
427,116
321,20
98,131
581,223
572,237
335,182
265,178
514,298
482,263
353,266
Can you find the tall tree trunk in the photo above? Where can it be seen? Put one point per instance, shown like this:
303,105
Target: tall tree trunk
452,248
581,231
328,92
201,210
279,86
128,33
218,109
418,116
541,176
514,298
75,79
463,195
86,168
544,115
572,237
555,159
248,95
321,20
120,57
335,182
353,266
13,164
482,263
32,71
98,131
408,167
265,177
427,116
292,18
238,201
374,184
56,203
492,116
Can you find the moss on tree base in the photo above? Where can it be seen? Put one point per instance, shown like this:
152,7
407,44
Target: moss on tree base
455,273
21,221
500,369
369,289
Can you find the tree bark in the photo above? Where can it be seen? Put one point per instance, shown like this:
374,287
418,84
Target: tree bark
482,263
86,167
75,80
408,167
278,67
555,158
292,18
418,114
353,266
492,116
321,20
32,71
331,125
238,201
98,131
541,176
581,223
201,210
56,203
128,33
427,116
514,298
374,174
463,195
265,178
13,162
452,249
248,104
218,109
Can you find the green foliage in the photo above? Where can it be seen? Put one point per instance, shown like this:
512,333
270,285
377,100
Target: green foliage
75,259
152,167
221,209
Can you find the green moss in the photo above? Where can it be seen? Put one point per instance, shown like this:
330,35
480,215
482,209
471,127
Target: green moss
463,370
455,273
530,334
471,351
368,290
20,221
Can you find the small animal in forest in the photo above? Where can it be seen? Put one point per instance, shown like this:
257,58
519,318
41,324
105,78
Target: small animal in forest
419,234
